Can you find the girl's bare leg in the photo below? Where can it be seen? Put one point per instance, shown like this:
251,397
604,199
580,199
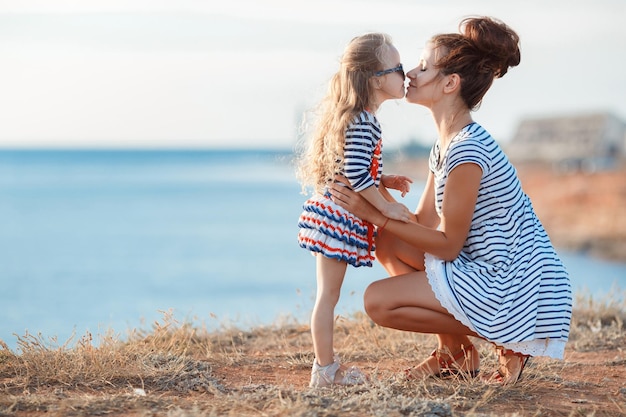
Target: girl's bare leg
330,275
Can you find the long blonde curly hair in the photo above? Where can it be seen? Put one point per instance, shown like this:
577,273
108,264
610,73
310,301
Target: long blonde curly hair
349,93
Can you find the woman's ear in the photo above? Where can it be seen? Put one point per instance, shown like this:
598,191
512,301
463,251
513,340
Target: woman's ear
453,82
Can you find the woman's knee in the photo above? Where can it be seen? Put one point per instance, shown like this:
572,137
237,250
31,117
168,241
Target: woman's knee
373,302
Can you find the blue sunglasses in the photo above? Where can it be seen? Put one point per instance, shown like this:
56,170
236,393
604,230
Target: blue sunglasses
390,71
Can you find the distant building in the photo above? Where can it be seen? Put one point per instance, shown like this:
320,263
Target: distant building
588,141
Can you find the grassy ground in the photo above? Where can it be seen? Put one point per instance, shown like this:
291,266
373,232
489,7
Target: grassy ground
175,370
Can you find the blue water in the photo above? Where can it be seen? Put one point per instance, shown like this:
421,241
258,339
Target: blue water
105,241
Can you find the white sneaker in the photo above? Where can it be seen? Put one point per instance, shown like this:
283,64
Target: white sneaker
324,376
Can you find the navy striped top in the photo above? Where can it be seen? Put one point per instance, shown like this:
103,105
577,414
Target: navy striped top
362,137
508,279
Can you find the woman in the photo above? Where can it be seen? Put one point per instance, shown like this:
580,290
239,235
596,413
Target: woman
476,261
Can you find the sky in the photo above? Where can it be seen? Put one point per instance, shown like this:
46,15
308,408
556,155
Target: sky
242,73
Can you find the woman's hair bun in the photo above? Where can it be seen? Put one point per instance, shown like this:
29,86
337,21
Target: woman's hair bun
495,41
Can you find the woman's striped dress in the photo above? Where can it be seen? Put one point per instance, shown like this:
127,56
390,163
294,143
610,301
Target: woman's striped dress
327,228
507,284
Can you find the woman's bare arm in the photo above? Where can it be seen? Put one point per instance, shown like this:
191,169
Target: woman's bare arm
425,211
459,202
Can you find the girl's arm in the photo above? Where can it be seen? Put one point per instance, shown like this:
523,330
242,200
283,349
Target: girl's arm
362,139
391,209
386,194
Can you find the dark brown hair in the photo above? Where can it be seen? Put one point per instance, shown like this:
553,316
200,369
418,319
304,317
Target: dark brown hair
484,49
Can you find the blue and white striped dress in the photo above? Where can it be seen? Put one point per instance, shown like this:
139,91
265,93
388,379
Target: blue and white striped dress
327,228
507,284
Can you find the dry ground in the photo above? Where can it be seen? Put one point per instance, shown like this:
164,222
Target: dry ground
586,383
178,370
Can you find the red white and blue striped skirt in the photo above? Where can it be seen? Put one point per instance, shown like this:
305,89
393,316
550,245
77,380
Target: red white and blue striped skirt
332,231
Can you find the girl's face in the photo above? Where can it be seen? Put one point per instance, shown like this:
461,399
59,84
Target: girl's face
423,80
390,83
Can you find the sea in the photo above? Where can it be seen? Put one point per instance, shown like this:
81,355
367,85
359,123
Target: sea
111,242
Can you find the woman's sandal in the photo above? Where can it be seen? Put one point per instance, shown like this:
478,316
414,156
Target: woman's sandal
324,376
448,365
502,375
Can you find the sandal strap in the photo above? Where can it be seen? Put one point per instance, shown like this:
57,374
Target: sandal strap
500,376
452,359
505,352
447,367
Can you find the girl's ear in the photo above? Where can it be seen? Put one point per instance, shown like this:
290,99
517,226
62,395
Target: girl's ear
453,83
375,83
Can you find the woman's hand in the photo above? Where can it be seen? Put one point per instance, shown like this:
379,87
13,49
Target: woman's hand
355,203
397,182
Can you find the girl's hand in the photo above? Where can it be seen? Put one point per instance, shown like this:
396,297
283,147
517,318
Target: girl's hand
398,211
397,182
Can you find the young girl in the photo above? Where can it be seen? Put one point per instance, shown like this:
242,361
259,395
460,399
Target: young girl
347,140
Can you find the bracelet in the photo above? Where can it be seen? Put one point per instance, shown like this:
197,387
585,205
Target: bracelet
380,229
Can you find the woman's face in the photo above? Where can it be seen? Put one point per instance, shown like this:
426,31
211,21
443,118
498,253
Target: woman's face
423,80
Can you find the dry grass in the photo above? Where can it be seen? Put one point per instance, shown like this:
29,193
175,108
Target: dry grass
175,369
